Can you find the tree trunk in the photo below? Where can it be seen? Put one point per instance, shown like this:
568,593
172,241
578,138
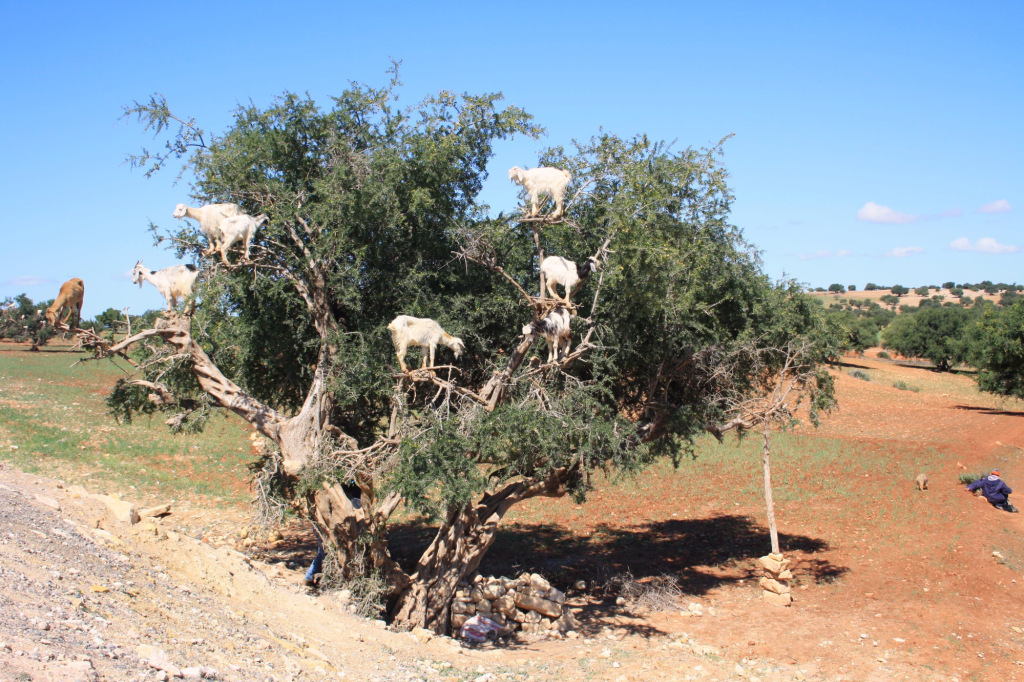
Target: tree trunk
769,503
458,548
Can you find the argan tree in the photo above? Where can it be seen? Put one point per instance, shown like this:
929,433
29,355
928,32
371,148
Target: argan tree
373,212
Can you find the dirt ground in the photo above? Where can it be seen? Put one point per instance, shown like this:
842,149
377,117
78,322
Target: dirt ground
891,583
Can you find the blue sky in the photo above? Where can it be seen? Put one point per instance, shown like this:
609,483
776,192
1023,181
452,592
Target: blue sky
874,142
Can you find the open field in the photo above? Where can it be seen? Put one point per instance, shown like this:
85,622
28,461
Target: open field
891,583
911,299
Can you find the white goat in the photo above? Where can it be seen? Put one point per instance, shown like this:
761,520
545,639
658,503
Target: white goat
422,332
174,282
72,292
558,270
555,330
237,227
542,181
209,218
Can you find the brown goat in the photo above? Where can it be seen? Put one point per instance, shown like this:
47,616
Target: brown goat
70,300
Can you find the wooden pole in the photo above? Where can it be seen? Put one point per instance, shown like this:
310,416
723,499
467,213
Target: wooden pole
769,503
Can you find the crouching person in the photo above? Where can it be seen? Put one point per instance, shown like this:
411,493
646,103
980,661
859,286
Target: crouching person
994,490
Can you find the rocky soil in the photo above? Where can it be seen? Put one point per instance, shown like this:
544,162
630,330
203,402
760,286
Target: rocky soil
84,596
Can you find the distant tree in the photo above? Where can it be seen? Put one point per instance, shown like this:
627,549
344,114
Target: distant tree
1008,297
996,348
991,290
956,291
851,287
933,333
870,286
920,291
837,288
23,321
890,301
948,285
899,290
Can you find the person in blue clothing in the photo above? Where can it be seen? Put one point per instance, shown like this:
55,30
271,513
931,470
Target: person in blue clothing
994,490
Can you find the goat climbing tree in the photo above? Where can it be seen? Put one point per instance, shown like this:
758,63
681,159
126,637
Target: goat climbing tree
374,212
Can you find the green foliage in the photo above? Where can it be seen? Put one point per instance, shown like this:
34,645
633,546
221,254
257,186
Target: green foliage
871,286
996,348
904,386
837,288
948,285
369,206
23,321
882,355
860,374
899,290
968,478
921,291
934,333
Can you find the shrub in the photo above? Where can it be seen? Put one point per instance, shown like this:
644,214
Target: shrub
882,355
904,386
967,478
858,374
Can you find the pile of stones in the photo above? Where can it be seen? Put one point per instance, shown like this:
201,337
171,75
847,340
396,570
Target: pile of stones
775,581
527,604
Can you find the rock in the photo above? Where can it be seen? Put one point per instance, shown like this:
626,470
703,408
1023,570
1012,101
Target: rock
773,565
556,596
458,619
422,635
48,501
785,575
484,607
566,623
159,510
192,673
620,601
539,604
778,599
476,594
492,591
580,585
505,605
538,583
123,512
775,586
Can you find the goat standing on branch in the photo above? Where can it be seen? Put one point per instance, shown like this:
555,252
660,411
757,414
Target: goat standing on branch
542,181
554,327
174,282
209,218
558,270
422,332
69,300
237,227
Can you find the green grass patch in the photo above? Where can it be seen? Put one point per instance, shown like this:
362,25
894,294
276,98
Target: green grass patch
54,422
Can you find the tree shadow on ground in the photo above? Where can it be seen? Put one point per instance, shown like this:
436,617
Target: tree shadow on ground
990,410
700,554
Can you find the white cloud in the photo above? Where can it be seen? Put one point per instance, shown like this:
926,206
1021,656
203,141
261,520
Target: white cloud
984,245
824,254
904,251
876,213
1000,206
27,281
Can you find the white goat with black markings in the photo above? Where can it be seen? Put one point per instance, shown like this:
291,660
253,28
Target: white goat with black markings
554,327
237,227
209,218
423,332
558,270
542,181
174,282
